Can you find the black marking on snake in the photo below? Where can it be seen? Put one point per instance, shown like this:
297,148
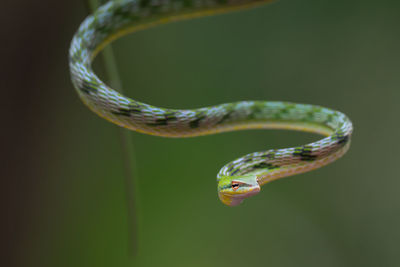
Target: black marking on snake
235,171
247,160
133,108
122,11
195,123
269,155
285,110
230,168
102,28
341,138
88,88
122,112
256,108
309,116
304,153
169,116
265,165
225,117
158,122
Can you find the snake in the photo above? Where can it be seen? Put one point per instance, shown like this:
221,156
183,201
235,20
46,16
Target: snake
240,178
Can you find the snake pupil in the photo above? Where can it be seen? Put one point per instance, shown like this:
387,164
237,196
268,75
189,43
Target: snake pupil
235,186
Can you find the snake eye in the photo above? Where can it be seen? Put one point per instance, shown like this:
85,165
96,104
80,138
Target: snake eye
235,186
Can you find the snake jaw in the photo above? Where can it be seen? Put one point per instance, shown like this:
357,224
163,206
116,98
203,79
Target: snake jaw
236,199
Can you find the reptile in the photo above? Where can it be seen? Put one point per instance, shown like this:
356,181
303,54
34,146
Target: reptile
242,177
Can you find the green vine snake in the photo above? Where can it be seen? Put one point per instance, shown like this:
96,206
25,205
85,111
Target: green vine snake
242,177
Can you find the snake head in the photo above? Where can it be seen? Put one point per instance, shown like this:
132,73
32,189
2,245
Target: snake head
232,190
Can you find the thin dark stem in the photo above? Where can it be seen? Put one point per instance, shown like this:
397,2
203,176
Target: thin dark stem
111,71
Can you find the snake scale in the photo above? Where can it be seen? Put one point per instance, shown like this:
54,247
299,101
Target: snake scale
242,177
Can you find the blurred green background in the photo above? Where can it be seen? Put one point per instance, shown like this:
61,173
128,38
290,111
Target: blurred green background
64,190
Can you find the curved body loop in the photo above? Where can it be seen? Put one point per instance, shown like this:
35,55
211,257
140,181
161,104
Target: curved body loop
242,177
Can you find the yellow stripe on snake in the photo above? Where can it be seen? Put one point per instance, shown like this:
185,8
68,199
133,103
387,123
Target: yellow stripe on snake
242,177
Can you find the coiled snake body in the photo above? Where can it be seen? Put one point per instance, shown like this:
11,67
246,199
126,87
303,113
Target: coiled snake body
242,177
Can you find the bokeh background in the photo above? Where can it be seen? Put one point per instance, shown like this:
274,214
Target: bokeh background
63,188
